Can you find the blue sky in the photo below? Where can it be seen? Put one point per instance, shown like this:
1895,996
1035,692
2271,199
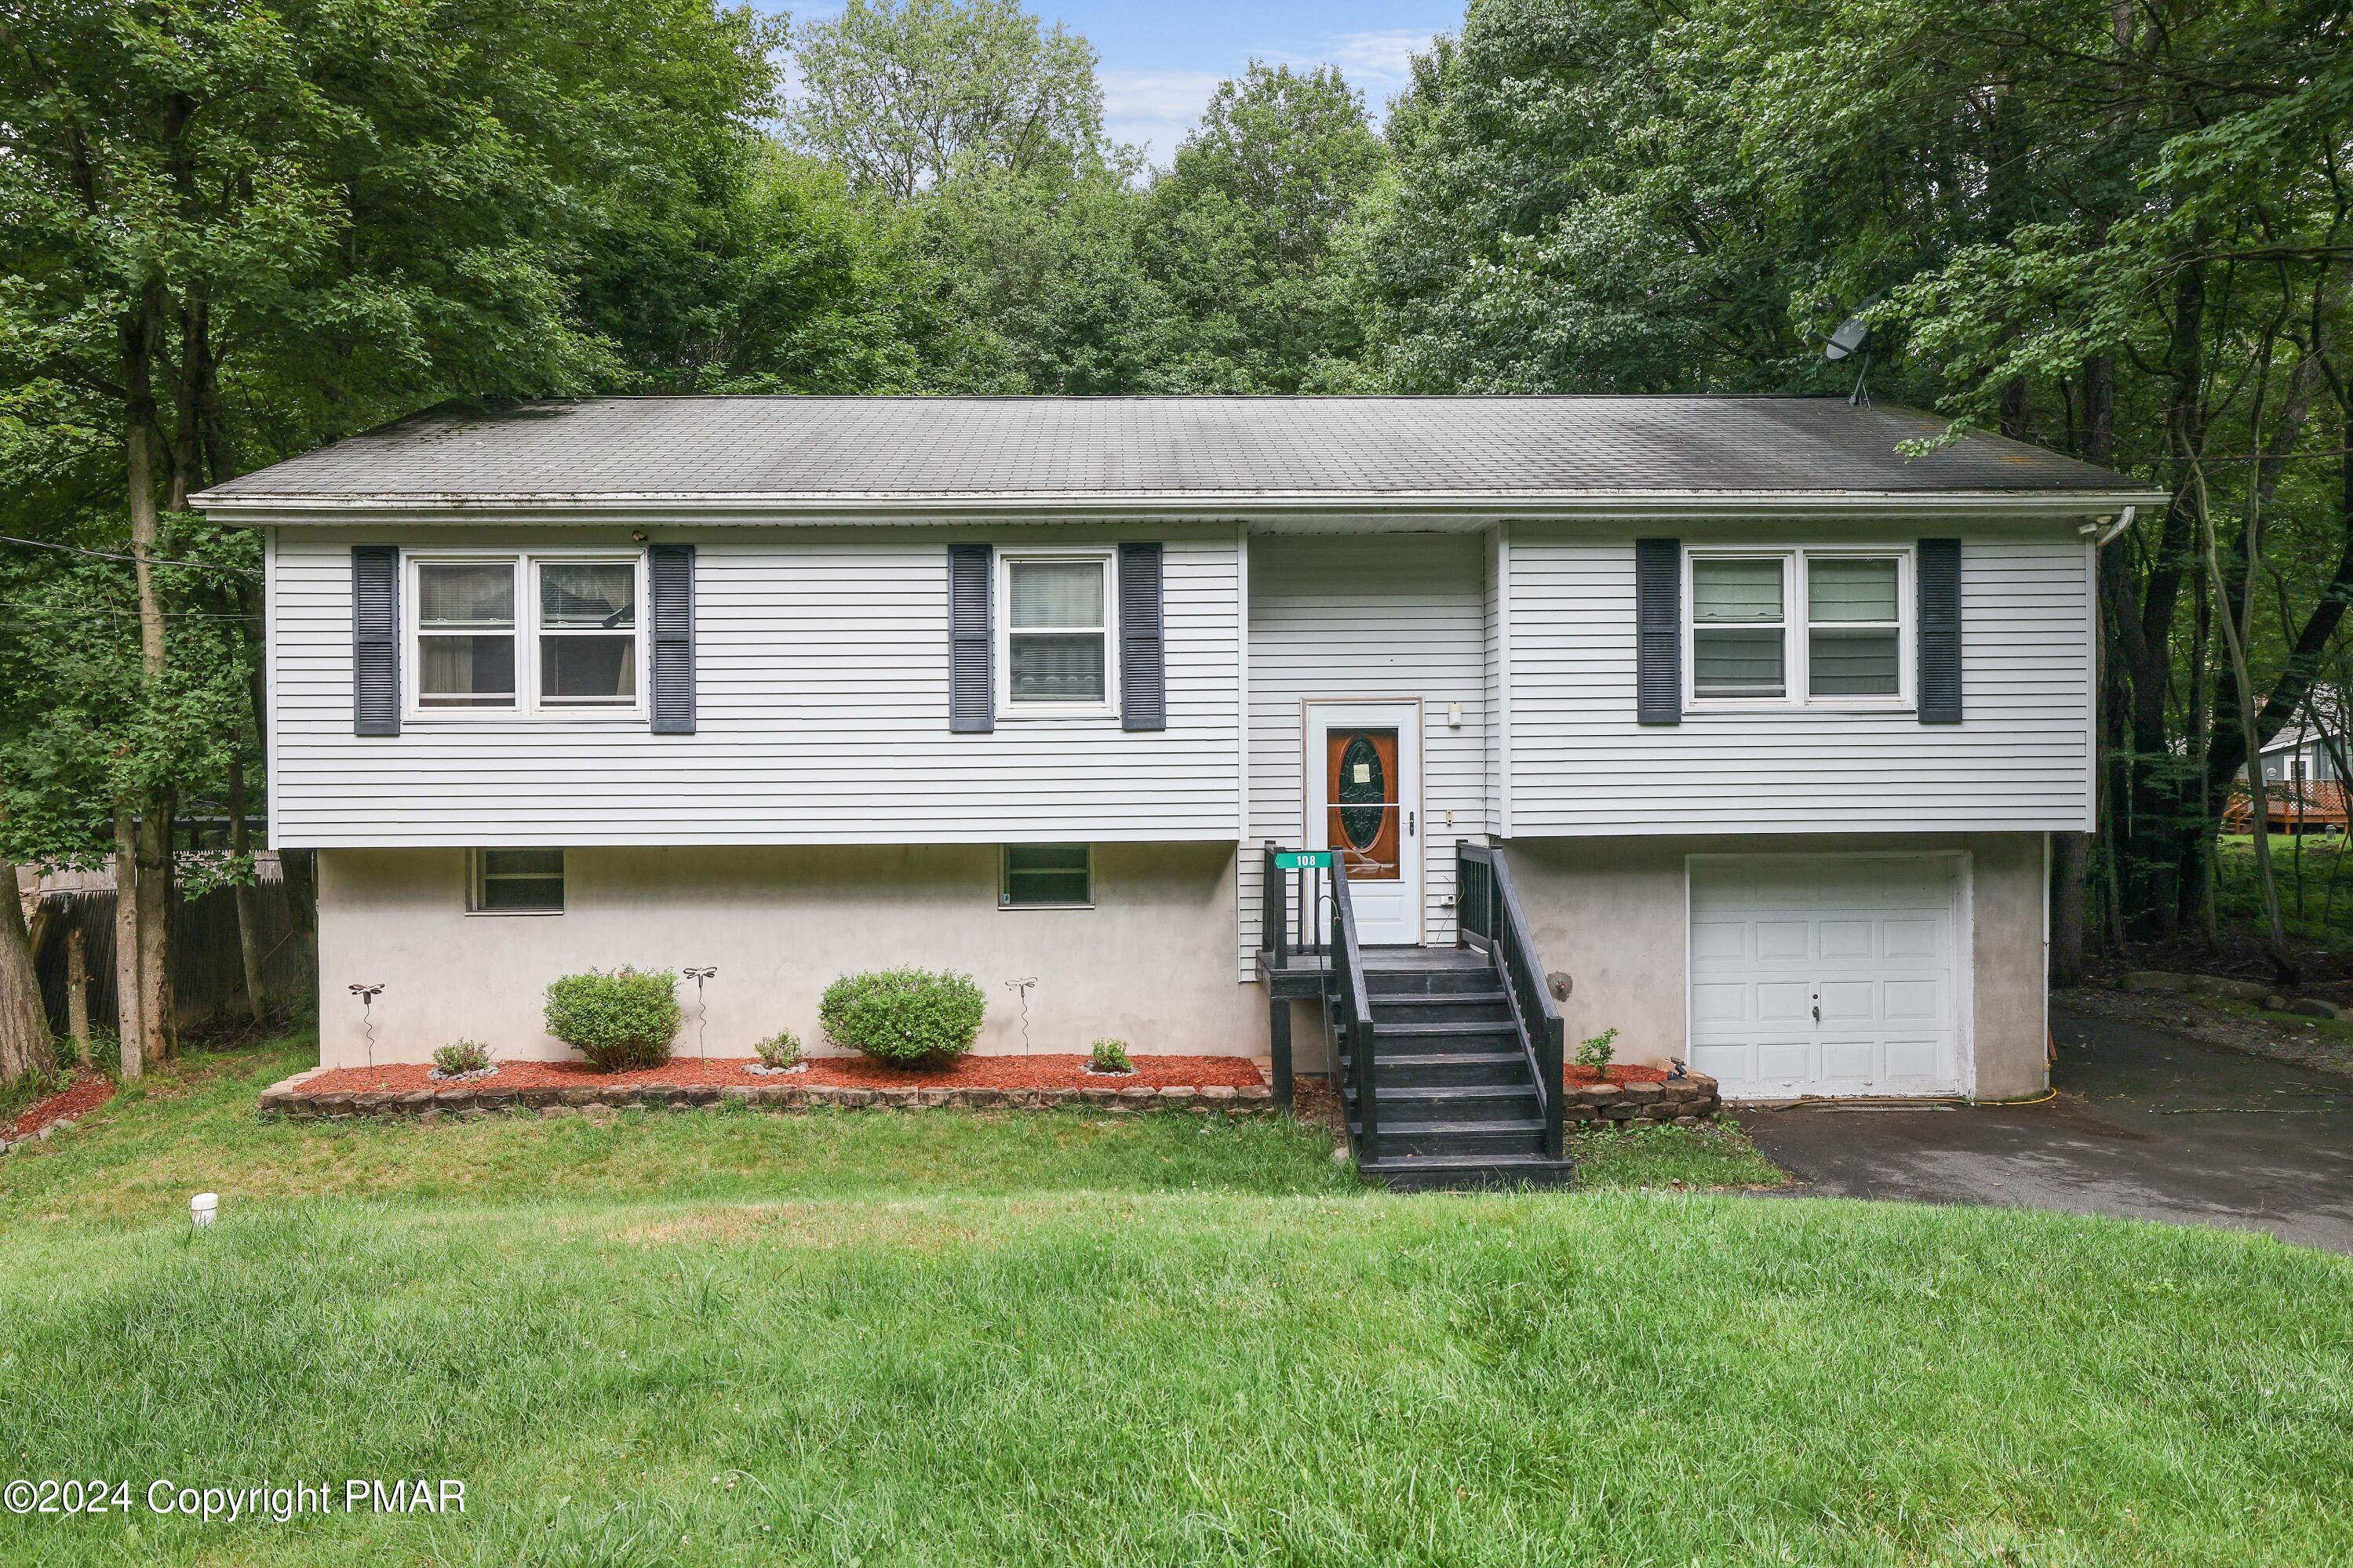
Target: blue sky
1159,62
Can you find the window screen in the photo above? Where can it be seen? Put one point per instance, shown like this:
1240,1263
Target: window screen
587,633
1738,629
465,634
1041,874
517,881
1055,635
1854,633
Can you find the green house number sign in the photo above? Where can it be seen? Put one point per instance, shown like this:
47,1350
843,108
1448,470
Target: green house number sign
1303,859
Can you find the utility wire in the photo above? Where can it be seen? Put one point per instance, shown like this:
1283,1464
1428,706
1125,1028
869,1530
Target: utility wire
110,555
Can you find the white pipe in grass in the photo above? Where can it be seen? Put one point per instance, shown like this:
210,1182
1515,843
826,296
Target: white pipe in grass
202,1207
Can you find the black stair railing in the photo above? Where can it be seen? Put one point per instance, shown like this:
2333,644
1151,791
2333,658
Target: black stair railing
1489,918
1351,1007
1289,904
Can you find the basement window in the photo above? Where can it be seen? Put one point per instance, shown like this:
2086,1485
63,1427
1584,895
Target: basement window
1045,876
514,881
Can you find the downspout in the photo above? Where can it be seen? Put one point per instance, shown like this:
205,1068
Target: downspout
2106,535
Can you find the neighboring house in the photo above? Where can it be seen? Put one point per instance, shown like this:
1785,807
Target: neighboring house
2303,793
1769,721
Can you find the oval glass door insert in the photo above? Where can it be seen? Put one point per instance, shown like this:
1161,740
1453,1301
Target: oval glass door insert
1364,791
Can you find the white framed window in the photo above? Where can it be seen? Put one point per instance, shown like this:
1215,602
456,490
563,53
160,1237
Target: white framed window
513,632
514,881
1054,647
464,615
1818,627
1045,876
1740,628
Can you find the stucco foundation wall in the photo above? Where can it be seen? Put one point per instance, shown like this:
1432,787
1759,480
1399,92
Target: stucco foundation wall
1611,913
1151,963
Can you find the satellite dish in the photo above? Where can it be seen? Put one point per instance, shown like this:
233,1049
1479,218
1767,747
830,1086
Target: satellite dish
1847,339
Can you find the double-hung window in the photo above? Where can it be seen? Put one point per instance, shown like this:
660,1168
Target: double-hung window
465,634
522,633
1813,627
1854,627
587,633
1740,616
1057,651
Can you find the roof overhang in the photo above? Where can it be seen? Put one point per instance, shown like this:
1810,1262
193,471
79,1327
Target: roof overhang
1461,509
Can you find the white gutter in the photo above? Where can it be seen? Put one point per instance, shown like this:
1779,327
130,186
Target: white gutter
1470,507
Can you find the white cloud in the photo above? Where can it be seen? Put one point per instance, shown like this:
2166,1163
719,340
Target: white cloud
1153,109
1380,63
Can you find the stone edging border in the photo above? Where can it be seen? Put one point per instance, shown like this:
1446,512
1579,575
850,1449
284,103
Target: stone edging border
47,1128
288,1097
1684,1102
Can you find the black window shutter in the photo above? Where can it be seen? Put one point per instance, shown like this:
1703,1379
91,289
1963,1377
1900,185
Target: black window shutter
972,688
1941,631
670,568
1142,663
375,639
1659,631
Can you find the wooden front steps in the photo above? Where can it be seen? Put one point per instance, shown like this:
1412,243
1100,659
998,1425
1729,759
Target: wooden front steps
1457,1098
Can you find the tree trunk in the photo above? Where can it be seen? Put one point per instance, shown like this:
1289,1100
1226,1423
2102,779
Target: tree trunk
78,991
2070,854
301,869
2227,617
138,450
155,907
23,1026
128,992
249,903
152,905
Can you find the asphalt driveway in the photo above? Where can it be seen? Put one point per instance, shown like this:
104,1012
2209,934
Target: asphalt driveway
2146,1125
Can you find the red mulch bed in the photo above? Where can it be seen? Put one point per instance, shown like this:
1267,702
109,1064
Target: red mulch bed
1617,1072
83,1095
834,1072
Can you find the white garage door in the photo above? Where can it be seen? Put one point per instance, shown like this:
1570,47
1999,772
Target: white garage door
1825,975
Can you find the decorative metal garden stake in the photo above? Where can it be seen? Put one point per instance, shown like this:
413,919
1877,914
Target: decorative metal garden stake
367,995
1022,988
702,1012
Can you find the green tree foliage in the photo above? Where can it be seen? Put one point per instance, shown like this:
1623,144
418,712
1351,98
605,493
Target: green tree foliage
233,232
1567,220
908,96
2120,231
1245,235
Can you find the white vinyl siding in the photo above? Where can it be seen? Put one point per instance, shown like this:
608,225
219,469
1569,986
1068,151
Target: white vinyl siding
1362,617
1578,762
822,670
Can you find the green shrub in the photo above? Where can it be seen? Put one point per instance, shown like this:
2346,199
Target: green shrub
621,1020
781,1049
1598,1051
904,1017
461,1057
1111,1055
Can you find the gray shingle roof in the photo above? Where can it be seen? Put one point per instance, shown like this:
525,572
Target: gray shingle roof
887,448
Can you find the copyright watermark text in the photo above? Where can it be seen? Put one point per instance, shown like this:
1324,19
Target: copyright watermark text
280,1503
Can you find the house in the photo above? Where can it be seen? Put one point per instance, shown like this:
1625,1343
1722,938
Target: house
1761,724
2303,793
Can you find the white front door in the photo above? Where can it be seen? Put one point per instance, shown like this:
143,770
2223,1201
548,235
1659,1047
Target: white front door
1363,802
1825,975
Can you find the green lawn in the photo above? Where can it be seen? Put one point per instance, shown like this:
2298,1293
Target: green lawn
2324,916
948,1338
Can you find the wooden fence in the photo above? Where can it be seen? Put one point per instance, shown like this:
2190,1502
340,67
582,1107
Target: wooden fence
207,966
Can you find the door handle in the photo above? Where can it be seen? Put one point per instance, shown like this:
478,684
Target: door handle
1818,1009
1408,824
